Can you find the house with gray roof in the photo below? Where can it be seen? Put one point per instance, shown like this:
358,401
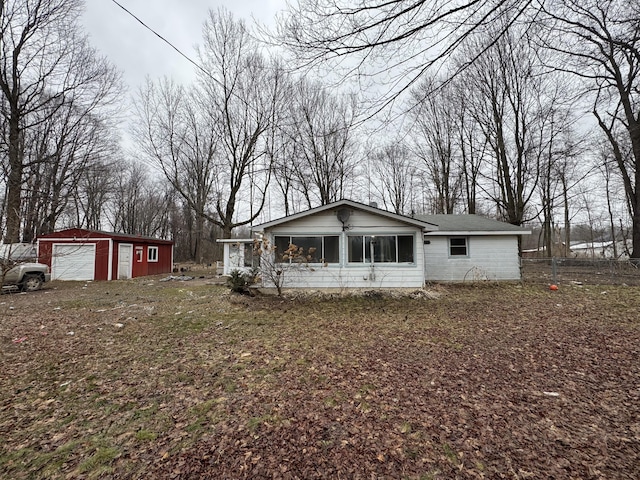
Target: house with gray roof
471,247
347,244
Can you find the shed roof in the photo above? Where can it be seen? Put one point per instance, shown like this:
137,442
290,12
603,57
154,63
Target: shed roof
471,224
84,233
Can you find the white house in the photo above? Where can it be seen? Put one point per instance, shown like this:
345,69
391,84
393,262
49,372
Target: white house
599,250
355,245
471,247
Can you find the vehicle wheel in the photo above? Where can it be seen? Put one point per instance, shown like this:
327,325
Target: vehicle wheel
31,282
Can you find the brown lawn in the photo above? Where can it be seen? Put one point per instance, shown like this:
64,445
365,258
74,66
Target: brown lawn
181,380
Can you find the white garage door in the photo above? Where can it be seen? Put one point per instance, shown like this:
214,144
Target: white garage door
73,262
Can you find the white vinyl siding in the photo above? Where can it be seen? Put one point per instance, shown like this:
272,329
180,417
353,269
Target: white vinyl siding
344,275
489,257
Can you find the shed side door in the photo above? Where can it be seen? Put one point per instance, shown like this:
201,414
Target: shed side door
125,261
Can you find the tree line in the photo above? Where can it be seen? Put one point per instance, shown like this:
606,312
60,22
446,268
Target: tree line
520,110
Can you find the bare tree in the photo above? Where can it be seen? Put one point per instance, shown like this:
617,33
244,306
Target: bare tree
436,120
181,222
45,63
401,40
282,150
58,151
244,93
322,128
394,175
179,137
391,41
210,140
95,189
606,170
140,205
599,43
284,173
557,157
472,144
509,103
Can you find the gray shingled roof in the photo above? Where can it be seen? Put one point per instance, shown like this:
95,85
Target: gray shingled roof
470,223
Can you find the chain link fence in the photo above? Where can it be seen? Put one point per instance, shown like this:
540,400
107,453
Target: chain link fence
581,271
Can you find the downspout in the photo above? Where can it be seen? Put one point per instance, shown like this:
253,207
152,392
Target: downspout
372,273
110,267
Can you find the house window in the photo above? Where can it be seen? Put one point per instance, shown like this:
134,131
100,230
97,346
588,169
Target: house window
152,254
458,247
319,249
248,255
405,248
386,248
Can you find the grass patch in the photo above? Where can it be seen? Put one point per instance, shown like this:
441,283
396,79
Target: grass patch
405,427
99,463
256,384
450,454
146,436
254,423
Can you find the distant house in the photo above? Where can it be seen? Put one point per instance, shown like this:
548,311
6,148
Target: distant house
79,254
600,250
557,250
360,246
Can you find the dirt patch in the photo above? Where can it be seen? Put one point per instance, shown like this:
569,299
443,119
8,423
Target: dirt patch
180,379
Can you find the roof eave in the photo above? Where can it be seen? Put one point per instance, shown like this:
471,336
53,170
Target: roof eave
477,232
350,203
235,240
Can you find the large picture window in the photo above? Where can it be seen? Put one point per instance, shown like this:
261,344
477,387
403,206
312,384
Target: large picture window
320,249
385,248
458,247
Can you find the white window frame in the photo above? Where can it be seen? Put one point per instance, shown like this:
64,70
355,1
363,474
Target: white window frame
153,257
397,245
466,247
322,253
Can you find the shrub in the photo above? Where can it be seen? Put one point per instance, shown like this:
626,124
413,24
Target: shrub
239,281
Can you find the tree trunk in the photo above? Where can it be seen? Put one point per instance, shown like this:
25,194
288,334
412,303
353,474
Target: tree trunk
635,239
14,180
635,140
567,219
197,254
612,224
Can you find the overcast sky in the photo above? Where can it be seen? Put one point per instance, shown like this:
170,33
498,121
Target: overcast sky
137,52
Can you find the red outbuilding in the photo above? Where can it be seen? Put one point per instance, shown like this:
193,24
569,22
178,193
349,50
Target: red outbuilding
79,254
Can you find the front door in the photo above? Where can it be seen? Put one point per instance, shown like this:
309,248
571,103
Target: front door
125,260
236,256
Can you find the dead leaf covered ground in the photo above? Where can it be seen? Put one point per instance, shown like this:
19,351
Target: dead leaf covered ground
181,380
